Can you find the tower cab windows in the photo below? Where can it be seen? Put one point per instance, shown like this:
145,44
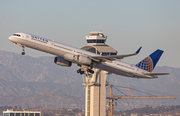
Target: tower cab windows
95,41
107,53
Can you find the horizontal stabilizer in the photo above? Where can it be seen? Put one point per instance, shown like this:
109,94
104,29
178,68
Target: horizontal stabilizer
151,74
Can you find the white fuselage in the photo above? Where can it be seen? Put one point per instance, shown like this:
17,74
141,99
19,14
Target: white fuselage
59,49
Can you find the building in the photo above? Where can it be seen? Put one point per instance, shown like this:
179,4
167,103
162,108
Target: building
95,92
21,113
96,44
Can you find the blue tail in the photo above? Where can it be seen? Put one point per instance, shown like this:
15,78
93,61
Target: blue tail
150,62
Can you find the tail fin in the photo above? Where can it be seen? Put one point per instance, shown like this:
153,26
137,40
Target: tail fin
150,62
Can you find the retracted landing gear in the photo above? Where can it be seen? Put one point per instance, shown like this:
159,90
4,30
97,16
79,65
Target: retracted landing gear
80,71
23,51
91,71
84,69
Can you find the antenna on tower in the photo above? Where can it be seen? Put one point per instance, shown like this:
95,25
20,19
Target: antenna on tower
100,30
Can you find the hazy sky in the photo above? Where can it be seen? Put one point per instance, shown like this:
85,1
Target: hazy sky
129,24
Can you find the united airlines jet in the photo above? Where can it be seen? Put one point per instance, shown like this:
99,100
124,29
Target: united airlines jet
86,61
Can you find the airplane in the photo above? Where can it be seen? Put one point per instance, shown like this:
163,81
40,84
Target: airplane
86,60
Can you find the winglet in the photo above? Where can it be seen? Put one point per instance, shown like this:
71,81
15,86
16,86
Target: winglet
138,50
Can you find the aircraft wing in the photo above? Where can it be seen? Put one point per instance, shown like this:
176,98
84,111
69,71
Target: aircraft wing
151,74
113,57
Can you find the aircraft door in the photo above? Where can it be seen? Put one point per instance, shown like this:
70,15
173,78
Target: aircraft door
136,70
51,44
22,35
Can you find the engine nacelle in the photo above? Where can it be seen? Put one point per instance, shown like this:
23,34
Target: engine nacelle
78,59
61,61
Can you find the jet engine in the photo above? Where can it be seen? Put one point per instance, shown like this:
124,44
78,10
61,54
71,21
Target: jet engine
61,61
78,59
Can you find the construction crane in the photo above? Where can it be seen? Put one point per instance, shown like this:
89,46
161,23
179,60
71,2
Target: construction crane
112,98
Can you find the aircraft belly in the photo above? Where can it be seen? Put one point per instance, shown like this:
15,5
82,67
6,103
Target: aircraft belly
111,69
117,71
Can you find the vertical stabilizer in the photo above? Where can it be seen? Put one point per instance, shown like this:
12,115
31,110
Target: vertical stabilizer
150,62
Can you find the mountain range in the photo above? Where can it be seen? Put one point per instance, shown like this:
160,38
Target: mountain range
32,82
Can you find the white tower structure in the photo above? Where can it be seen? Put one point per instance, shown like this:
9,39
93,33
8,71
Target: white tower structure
95,98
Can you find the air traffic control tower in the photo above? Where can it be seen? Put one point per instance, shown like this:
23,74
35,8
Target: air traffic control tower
95,92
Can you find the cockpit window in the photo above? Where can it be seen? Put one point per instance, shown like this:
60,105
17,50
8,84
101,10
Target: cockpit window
17,35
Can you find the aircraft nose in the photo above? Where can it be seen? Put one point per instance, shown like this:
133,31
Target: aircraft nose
11,38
